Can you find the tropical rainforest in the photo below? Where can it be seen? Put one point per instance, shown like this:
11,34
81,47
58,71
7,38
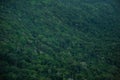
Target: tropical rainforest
59,40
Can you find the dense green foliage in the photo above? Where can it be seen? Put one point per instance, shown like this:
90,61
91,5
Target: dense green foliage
59,40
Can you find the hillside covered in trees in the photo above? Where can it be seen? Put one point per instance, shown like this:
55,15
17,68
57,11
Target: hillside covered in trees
59,40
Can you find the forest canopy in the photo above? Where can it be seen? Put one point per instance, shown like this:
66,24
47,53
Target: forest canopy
59,40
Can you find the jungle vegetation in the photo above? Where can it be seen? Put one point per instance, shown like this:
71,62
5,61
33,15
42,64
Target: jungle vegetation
59,40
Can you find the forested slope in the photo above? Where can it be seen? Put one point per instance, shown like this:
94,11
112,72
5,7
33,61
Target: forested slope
59,40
